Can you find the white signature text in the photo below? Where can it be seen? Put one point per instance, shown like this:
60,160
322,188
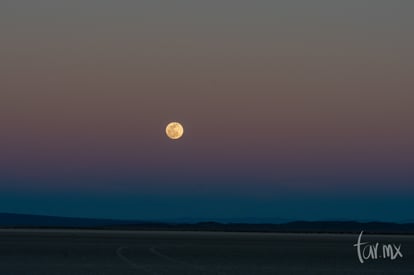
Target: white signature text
373,251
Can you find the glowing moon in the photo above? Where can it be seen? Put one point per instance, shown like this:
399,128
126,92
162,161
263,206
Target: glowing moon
174,130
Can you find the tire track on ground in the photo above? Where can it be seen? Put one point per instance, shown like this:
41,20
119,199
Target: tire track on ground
119,253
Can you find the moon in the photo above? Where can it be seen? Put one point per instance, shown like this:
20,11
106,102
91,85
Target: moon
174,130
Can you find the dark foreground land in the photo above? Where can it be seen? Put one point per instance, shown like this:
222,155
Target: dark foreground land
125,252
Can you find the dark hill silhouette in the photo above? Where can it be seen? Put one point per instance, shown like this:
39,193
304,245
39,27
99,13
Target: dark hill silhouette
8,220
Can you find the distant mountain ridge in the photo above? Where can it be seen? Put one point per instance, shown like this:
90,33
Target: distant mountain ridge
9,220
250,220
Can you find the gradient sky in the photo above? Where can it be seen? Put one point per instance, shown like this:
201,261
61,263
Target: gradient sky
292,109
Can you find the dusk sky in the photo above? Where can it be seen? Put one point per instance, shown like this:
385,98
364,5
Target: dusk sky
291,109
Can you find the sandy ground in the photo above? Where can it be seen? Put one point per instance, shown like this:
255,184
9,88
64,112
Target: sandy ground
119,252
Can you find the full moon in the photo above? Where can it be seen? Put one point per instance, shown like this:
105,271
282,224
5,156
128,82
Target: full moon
174,130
